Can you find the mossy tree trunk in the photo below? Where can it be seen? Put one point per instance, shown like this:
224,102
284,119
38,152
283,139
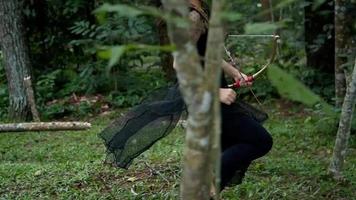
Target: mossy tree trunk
343,133
17,62
341,49
199,88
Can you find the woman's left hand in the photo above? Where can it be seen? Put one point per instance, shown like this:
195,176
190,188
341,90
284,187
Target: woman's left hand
242,78
238,76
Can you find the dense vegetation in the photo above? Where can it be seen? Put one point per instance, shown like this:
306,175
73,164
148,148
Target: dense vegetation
67,41
64,39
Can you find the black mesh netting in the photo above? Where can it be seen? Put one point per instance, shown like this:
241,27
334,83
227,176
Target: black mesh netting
137,130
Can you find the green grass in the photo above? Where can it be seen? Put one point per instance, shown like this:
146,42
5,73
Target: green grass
68,165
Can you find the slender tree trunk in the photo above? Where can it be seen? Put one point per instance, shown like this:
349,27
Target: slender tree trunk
199,88
166,58
341,36
17,62
214,57
31,99
343,133
267,8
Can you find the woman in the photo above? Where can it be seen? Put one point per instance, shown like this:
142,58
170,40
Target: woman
243,138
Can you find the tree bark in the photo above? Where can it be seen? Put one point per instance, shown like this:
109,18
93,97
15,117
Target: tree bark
343,133
166,58
199,88
341,48
267,9
17,62
45,126
31,99
214,56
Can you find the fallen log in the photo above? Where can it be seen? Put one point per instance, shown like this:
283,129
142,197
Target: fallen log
45,126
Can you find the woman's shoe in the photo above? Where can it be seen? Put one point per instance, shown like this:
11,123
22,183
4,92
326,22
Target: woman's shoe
237,178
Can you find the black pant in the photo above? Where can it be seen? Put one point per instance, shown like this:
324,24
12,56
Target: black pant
242,141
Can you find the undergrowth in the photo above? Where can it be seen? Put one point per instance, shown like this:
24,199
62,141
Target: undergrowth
69,165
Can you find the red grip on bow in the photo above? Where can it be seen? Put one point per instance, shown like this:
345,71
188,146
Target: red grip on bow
237,84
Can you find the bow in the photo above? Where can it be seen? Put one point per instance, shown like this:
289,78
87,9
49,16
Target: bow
237,84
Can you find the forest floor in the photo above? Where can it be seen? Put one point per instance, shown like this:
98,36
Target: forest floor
69,165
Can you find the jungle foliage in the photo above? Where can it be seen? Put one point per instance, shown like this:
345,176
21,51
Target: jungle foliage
69,44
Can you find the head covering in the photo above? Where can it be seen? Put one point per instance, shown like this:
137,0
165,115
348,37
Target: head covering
201,7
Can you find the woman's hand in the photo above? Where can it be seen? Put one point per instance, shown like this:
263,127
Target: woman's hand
236,74
227,96
242,78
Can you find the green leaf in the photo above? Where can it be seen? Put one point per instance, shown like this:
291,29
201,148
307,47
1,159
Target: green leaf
317,4
131,11
231,16
291,88
121,9
112,54
116,53
104,54
260,28
101,17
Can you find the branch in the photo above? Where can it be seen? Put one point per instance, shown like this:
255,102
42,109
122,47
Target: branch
45,126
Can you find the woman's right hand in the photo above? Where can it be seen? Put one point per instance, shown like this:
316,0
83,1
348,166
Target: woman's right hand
227,96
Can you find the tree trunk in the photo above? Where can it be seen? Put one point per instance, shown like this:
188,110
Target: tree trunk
343,132
199,88
45,126
17,62
319,25
267,9
31,99
166,58
214,57
341,48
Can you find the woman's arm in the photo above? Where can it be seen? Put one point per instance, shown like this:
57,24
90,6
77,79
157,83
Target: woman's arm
235,73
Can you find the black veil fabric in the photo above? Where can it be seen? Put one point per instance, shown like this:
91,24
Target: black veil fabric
142,126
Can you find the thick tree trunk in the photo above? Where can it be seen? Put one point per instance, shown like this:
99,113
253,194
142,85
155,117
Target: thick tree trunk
200,91
44,126
341,48
17,62
319,25
343,133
